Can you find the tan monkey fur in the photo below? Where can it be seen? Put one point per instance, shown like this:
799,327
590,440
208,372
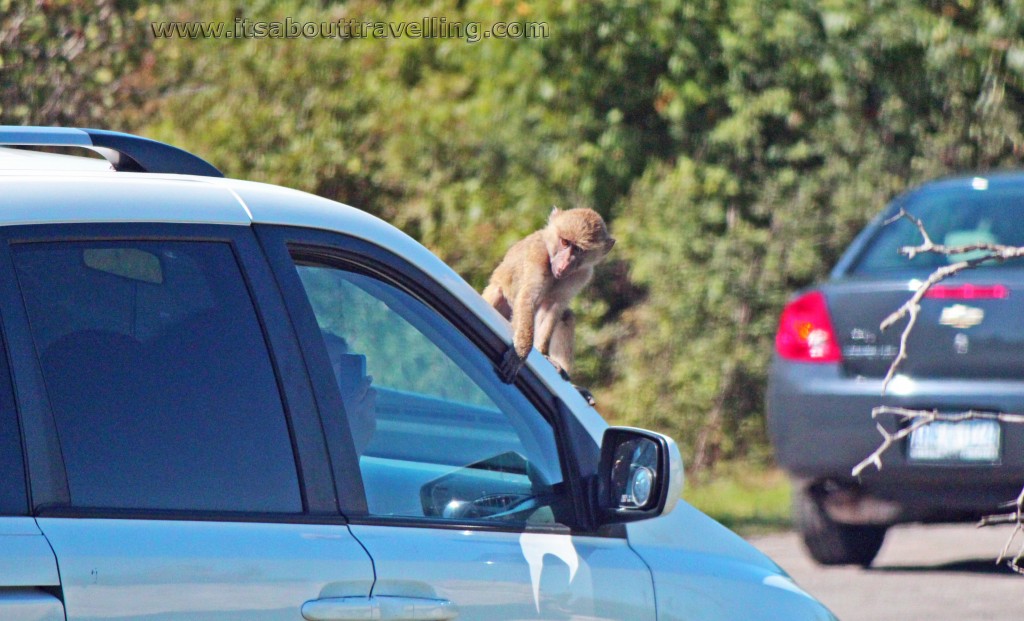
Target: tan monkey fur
539,276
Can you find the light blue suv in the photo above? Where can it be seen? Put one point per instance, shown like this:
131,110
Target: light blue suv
228,400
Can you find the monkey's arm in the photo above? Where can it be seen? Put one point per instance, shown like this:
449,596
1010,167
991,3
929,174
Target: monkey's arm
523,311
524,315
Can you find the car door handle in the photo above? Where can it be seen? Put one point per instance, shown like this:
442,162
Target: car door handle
379,608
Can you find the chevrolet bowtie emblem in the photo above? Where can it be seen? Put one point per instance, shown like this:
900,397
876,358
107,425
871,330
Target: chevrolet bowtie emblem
961,317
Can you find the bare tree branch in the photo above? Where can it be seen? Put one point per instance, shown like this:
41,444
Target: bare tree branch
1014,518
920,418
912,306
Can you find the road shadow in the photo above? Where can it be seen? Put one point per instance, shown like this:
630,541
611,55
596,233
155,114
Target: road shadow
978,566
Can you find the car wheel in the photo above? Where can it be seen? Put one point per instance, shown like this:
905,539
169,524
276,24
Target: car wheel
830,542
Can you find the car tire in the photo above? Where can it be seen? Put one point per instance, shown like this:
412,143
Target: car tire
830,542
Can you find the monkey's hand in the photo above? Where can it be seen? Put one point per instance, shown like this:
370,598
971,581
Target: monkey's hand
511,364
589,396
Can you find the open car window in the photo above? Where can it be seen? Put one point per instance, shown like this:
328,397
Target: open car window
438,434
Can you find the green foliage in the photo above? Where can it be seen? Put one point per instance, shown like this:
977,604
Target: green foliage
817,114
736,146
67,62
744,496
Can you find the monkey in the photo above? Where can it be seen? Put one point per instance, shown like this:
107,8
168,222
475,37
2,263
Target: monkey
535,281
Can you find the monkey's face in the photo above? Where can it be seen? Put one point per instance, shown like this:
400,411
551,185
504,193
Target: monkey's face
566,258
575,239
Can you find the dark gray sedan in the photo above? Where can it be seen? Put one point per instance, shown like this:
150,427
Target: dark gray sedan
966,351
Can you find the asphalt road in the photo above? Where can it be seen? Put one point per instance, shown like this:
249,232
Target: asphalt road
922,573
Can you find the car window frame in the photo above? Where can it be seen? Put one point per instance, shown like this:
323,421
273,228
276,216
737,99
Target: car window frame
9,404
352,253
49,491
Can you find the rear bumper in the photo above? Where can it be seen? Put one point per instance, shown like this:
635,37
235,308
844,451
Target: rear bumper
820,424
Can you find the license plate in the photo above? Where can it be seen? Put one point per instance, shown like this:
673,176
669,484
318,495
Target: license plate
966,441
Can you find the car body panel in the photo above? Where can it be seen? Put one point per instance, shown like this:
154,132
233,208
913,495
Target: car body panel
952,338
514,575
188,570
30,605
26,560
27,567
702,570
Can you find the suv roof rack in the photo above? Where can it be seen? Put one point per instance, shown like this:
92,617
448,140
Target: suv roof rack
125,152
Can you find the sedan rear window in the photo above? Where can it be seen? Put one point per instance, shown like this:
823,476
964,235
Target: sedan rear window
952,217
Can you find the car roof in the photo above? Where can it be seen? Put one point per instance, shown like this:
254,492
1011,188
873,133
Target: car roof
972,181
45,188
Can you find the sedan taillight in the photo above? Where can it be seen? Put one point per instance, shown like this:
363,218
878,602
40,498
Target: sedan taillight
805,331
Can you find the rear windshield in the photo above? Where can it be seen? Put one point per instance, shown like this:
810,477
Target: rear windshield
952,217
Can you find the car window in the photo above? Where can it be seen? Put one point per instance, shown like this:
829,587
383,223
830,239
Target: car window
953,217
438,434
158,376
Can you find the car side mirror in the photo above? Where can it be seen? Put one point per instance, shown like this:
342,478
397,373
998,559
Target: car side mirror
640,475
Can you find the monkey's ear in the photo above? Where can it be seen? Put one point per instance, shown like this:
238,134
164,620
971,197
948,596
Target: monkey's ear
608,244
554,212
